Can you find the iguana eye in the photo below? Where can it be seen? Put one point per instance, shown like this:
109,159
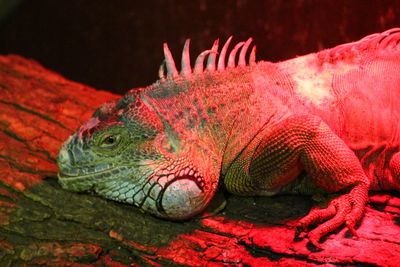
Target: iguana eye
109,141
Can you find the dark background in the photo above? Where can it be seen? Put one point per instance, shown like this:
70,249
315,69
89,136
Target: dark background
117,45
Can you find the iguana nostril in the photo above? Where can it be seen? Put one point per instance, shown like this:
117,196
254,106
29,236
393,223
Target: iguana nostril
63,156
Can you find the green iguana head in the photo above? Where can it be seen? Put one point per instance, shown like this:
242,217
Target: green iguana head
124,153
136,151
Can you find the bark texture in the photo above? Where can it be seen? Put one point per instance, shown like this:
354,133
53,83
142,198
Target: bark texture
41,224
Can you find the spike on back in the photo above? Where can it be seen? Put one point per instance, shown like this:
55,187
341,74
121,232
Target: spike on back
242,56
388,40
169,66
198,66
186,70
221,59
252,59
213,56
169,62
232,55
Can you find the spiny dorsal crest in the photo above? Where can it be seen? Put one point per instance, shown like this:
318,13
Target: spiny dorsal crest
389,40
211,65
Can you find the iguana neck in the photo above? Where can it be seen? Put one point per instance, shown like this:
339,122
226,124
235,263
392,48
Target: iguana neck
267,100
224,111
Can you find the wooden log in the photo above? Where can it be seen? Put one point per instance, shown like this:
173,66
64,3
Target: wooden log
41,224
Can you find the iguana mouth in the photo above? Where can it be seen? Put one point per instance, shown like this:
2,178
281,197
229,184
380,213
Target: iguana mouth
98,174
84,182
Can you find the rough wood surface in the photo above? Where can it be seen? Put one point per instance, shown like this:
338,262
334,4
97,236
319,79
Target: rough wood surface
41,224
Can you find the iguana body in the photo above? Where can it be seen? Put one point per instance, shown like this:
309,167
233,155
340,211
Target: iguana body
254,127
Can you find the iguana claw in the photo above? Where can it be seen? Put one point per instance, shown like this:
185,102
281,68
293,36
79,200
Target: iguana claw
346,209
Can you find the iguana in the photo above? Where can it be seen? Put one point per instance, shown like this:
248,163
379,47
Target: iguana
253,127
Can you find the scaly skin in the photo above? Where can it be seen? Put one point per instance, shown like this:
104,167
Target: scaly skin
253,127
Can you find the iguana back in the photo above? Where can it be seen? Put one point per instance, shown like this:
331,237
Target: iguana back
355,89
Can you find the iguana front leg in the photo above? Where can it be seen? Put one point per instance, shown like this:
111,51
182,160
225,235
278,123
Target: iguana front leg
334,167
307,143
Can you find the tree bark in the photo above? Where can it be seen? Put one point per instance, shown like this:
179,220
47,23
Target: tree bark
41,224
